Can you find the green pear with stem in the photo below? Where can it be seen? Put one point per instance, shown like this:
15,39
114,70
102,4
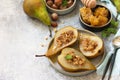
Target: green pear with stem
37,9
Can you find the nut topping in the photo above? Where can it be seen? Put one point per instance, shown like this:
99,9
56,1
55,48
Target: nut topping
75,60
65,38
88,45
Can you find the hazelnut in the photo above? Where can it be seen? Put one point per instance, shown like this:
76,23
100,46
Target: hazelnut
54,24
54,16
58,2
63,7
50,3
70,2
54,6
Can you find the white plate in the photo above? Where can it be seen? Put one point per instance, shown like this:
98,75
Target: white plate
96,61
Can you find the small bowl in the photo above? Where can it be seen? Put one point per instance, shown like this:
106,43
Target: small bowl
96,28
63,11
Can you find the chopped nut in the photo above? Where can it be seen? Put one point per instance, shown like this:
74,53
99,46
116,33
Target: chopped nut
70,61
55,30
42,45
88,45
65,38
80,62
75,63
76,60
46,38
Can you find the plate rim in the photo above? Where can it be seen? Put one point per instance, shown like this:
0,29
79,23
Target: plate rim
78,73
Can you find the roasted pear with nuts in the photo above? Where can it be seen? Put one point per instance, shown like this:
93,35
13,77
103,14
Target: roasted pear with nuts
91,46
72,60
63,38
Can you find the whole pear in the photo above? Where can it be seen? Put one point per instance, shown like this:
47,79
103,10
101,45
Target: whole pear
117,4
37,9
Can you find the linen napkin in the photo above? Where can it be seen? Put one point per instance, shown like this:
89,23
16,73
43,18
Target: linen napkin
116,68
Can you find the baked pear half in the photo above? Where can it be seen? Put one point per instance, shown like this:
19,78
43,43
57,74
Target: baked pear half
73,60
63,38
91,46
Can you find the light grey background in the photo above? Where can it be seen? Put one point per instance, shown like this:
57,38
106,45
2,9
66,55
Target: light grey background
22,37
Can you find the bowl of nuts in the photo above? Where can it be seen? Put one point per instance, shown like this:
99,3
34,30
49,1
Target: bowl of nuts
60,6
95,19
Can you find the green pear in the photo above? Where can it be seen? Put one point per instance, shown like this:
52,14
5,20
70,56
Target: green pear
37,9
117,4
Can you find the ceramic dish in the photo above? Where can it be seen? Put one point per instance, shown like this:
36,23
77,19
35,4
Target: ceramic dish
97,28
64,11
96,61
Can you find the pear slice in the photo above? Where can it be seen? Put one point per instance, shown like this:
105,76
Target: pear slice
70,65
91,46
63,38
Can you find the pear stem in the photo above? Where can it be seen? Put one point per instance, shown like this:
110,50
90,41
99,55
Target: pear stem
50,31
116,17
39,55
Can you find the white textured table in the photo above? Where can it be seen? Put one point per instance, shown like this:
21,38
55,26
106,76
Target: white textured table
22,37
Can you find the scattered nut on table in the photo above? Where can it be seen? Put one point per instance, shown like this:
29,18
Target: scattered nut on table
54,16
54,24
